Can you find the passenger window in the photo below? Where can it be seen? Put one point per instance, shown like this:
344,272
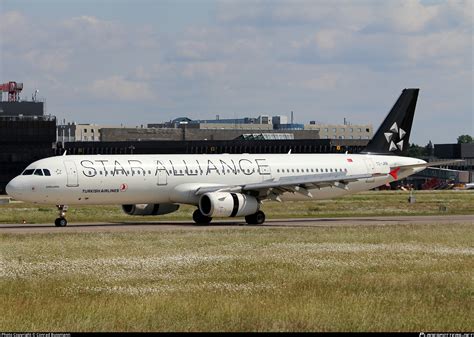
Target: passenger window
317,170
327,170
38,172
28,172
312,170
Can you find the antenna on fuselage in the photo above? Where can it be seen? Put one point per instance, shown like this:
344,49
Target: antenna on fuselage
64,153
289,152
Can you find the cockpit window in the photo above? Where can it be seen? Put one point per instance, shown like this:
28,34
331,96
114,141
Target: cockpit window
46,172
28,172
38,172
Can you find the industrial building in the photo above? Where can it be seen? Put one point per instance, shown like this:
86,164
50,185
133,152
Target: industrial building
240,145
449,175
457,151
73,132
186,129
26,133
187,134
344,131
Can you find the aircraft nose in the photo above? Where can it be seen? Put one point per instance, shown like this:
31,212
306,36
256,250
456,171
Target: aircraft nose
13,188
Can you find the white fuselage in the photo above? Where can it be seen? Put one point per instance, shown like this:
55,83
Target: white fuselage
143,179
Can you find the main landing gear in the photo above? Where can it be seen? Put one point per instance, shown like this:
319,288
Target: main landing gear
201,219
253,219
61,221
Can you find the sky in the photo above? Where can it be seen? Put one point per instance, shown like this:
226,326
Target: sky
124,62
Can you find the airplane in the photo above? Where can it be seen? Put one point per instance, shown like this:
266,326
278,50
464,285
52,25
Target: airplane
221,185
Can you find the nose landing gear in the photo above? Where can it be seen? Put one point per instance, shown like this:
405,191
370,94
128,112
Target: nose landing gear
61,221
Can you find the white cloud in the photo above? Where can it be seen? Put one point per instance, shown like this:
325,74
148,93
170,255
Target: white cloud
447,47
118,88
409,15
12,25
330,39
334,57
54,61
90,32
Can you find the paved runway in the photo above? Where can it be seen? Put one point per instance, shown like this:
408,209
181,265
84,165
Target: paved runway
280,223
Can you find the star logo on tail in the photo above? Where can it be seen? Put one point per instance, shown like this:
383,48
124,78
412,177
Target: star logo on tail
395,137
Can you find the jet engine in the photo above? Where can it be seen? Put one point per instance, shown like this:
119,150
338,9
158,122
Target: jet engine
149,209
224,204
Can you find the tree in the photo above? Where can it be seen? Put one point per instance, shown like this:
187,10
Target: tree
416,151
465,139
429,149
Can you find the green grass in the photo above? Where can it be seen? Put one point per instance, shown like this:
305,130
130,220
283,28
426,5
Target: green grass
239,278
370,203
360,278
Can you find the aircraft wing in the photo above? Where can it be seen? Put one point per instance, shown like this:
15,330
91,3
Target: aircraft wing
299,184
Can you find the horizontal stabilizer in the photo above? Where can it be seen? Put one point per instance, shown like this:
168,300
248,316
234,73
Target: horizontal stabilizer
434,163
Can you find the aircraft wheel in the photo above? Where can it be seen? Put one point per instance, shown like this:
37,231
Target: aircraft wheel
201,219
255,219
60,222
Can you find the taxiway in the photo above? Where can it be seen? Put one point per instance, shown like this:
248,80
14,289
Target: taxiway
293,222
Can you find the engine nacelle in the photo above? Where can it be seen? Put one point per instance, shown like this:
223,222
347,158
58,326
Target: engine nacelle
224,204
149,209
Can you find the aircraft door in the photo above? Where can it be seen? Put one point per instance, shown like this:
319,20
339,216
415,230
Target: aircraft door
71,172
162,177
369,163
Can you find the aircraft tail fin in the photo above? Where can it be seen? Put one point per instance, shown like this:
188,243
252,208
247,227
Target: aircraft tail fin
393,135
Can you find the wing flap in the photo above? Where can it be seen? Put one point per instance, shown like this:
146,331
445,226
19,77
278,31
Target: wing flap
307,181
298,184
